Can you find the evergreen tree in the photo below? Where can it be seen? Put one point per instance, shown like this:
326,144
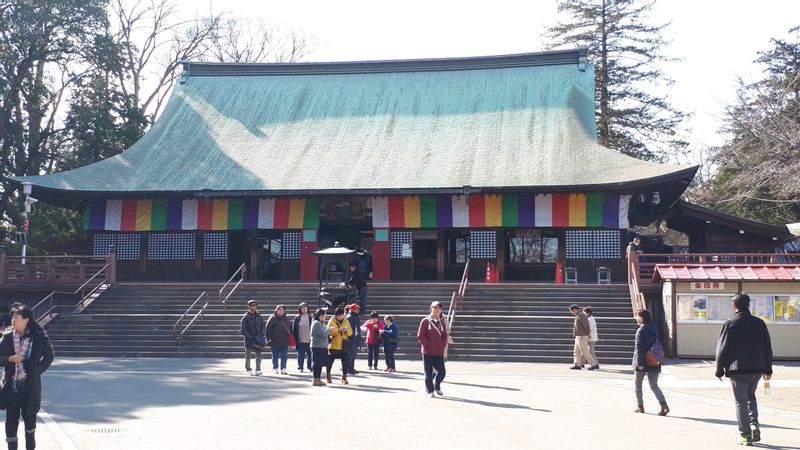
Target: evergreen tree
633,116
758,166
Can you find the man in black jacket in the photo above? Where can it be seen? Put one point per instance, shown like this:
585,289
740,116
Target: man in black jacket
254,331
744,353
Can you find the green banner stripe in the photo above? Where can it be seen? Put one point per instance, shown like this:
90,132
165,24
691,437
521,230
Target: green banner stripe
510,210
311,213
236,214
594,209
427,212
158,216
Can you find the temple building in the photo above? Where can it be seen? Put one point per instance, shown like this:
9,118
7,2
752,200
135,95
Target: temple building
424,163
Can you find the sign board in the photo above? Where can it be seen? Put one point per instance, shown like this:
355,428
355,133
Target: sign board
707,286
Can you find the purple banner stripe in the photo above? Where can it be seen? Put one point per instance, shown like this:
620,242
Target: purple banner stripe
610,210
444,211
526,210
250,219
174,214
97,216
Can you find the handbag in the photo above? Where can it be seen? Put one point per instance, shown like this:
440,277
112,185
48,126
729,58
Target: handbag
292,340
655,354
260,342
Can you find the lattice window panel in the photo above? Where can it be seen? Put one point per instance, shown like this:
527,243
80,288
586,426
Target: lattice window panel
397,240
215,246
483,244
583,244
291,245
171,246
128,245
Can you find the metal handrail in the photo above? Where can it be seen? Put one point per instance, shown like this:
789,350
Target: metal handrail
179,336
637,298
457,299
224,298
83,295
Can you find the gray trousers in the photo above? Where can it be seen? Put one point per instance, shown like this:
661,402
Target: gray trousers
744,391
652,379
249,351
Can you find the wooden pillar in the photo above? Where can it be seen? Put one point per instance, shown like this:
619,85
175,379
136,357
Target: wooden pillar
198,255
308,260
380,254
143,255
441,254
112,265
501,253
252,272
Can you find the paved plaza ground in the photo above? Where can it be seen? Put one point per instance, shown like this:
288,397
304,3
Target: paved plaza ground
213,404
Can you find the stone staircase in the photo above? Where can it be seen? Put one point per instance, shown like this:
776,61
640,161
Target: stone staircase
501,322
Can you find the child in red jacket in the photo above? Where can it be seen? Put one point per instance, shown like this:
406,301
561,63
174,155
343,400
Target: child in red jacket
374,327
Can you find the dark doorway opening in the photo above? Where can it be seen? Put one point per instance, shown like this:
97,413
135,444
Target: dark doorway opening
353,235
425,259
238,250
270,245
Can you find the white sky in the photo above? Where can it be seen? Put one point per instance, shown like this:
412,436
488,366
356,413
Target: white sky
717,40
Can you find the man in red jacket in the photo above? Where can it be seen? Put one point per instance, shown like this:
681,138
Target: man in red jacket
432,336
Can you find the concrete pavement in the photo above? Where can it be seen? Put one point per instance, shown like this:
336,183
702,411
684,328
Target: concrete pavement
211,404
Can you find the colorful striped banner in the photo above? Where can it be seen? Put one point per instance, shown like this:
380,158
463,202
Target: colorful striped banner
595,209
208,214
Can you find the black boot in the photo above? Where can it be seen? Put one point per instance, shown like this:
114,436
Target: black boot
30,440
12,443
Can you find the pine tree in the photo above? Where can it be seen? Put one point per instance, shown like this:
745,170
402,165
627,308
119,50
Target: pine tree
632,114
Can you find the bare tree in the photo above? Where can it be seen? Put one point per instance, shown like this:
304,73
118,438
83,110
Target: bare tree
254,41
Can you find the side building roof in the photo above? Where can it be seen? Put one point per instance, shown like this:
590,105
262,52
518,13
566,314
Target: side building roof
514,122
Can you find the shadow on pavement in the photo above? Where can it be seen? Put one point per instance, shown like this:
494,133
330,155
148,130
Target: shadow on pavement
492,404
731,422
484,386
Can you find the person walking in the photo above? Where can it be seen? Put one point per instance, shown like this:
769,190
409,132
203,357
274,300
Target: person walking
363,262
581,331
357,279
339,328
391,337
432,336
301,329
592,336
25,353
278,331
744,354
253,329
646,336
319,346
374,327
351,344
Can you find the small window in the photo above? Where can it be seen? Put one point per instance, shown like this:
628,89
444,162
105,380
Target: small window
787,309
691,308
532,247
719,307
761,306
457,246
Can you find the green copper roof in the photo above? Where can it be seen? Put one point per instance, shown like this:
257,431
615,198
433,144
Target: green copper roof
518,121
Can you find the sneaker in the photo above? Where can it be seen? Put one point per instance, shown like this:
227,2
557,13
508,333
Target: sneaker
430,395
276,371
593,367
257,373
746,440
284,372
300,369
439,393
575,368
249,371
354,372
756,432
390,370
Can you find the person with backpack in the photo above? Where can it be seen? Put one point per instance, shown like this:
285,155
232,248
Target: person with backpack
278,332
581,331
350,345
301,330
25,353
254,341
744,354
374,327
391,337
339,329
646,341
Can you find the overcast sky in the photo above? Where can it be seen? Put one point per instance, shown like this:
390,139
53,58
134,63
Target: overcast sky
717,40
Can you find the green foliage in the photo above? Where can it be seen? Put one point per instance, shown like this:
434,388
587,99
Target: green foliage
758,166
633,115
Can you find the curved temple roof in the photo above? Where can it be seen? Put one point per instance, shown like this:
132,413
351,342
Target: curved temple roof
503,122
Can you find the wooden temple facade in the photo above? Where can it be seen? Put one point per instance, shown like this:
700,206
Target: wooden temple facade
425,163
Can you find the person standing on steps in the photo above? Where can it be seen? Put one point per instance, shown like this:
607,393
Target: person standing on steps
744,354
581,331
25,353
391,337
339,328
301,329
278,330
646,336
592,343
253,330
432,336
319,346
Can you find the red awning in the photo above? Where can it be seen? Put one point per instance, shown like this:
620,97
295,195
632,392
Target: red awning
704,272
